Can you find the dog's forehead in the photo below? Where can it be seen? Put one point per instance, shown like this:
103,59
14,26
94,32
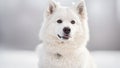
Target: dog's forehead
66,12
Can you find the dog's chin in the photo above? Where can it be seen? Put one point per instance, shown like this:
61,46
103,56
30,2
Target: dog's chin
64,37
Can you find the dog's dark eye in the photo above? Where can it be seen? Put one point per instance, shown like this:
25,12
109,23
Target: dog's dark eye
73,22
59,21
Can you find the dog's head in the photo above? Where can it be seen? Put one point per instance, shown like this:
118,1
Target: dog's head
65,23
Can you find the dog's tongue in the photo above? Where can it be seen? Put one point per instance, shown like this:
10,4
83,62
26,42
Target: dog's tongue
66,36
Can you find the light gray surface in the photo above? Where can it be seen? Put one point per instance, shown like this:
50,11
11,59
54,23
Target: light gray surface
27,59
18,59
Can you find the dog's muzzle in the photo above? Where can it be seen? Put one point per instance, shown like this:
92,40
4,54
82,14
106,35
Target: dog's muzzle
66,33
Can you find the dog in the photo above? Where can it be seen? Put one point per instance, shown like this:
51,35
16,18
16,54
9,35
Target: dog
64,34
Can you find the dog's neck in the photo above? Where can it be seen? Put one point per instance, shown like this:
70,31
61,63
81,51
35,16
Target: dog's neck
61,50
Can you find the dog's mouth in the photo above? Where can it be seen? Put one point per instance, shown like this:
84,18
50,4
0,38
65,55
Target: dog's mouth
66,36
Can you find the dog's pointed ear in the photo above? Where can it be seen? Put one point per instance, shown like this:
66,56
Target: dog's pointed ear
51,8
81,9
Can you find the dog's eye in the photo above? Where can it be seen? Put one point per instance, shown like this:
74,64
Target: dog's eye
73,22
59,21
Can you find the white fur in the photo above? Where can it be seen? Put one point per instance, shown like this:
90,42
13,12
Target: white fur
73,51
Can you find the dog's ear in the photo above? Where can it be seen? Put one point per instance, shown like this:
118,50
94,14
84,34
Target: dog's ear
51,8
81,9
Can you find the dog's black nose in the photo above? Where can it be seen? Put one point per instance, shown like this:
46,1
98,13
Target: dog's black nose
66,30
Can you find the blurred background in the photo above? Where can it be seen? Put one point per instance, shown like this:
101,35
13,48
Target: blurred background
20,22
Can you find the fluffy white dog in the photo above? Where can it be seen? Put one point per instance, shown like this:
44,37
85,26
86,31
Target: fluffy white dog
64,34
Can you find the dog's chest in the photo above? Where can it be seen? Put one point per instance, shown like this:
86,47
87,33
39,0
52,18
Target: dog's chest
62,61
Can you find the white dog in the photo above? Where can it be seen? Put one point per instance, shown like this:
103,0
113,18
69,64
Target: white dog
64,34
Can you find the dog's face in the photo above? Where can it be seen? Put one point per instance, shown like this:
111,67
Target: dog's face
64,24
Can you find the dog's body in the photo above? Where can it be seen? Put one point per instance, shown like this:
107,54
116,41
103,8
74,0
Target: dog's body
65,34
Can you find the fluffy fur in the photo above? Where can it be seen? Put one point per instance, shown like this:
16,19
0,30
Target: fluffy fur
56,52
